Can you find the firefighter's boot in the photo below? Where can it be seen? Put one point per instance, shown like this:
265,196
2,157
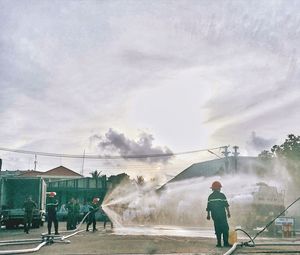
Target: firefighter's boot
225,238
218,240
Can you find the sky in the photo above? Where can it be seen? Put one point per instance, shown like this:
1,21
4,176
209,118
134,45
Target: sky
145,77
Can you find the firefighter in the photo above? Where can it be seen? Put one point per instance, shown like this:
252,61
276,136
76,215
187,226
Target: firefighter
106,219
217,206
51,208
29,206
71,218
93,207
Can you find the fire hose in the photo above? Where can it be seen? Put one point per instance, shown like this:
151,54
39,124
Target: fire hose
251,242
44,240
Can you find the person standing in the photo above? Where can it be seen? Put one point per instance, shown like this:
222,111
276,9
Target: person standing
93,207
29,206
71,224
106,219
217,206
85,210
77,213
51,208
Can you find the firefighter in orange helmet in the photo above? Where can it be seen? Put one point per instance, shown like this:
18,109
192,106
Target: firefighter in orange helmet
51,208
217,206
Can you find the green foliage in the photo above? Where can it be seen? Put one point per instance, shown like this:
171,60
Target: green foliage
289,154
266,155
96,175
290,149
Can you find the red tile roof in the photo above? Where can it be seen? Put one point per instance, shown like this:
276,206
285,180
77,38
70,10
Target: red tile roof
30,173
61,171
58,171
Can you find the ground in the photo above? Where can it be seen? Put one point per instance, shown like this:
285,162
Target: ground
107,242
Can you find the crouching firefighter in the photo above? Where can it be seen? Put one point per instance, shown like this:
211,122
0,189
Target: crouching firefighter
217,206
51,208
93,208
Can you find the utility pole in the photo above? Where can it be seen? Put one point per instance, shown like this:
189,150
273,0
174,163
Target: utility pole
0,187
35,162
82,163
235,155
226,153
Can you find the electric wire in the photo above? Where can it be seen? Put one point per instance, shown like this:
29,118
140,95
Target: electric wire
103,157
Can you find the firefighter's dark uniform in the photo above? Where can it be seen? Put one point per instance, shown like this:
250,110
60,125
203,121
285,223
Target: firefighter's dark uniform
29,206
93,207
71,216
51,210
106,219
216,204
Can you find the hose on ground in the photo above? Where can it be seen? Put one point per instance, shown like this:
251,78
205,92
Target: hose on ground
241,244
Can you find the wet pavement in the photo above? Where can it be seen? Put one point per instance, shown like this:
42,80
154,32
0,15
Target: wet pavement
145,240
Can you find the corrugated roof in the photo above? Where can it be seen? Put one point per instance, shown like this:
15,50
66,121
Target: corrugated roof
218,167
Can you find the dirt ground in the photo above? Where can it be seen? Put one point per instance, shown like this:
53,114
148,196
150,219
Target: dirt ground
106,242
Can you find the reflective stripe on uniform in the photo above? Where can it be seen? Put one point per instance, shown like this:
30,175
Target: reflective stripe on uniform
52,204
217,199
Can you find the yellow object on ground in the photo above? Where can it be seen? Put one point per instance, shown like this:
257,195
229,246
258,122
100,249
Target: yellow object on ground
232,237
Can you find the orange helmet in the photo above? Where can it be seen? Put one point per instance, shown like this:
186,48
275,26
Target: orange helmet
52,194
216,185
96,200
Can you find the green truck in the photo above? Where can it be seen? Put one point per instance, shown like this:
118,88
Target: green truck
13,192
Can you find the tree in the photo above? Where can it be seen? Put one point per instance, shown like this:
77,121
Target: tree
289,154
96,175
266,155
140,180
290,149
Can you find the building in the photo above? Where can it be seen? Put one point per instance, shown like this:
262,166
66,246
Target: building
225,165
82,189
55,174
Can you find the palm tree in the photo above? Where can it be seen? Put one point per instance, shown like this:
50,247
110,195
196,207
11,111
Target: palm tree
96,175
140,180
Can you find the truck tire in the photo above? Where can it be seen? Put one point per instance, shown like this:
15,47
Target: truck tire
36,224
9,225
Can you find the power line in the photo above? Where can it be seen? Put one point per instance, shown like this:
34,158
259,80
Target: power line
48,154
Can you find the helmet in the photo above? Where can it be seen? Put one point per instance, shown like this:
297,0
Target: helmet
96,199
52,194
216,185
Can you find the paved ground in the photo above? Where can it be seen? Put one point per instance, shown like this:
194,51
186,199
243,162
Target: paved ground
106,242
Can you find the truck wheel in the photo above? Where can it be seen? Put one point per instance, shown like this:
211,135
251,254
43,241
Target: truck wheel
35,224
8,225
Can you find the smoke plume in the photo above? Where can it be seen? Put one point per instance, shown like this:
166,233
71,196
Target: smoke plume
259,143
115,142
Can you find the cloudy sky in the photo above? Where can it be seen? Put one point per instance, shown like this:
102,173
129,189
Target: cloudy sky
141,77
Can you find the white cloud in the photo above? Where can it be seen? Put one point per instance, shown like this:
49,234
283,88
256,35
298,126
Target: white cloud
194,74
